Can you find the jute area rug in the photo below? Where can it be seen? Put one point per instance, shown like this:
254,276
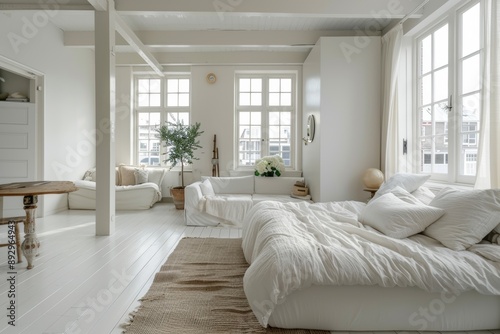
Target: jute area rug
200,290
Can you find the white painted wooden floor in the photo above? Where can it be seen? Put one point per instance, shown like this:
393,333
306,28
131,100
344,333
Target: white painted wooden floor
87,284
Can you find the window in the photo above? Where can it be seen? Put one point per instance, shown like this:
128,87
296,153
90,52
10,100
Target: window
265,112
158,101
449,62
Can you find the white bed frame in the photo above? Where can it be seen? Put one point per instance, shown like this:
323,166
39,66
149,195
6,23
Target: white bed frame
375,308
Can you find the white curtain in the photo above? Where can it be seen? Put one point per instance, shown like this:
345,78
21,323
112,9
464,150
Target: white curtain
391,49
488,164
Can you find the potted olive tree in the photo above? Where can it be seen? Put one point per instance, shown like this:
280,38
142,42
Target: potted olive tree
181,142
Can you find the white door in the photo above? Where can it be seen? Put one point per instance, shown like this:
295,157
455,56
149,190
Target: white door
17,150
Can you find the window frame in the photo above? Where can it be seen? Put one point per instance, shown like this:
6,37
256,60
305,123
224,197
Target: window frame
164,110
454,129
265,110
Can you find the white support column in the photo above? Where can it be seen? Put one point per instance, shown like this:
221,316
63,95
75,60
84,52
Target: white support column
105,119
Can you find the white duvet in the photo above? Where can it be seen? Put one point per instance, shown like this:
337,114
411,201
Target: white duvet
291,246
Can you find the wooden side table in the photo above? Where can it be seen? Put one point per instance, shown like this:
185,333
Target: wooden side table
372,191
30,192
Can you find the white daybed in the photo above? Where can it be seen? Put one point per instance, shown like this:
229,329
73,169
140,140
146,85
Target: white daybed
317,266
226,200
137,188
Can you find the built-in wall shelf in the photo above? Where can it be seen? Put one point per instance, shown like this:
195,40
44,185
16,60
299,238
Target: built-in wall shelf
14,85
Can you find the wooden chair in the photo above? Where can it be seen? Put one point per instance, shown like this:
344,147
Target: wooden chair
16,220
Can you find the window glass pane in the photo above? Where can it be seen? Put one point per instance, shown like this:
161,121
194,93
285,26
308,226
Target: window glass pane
441,47
155,118
244,85
155,85
426,89
183,100
286,118
470,109
172,100
441,84
143,100
274,99
274,132
256,85
244,117
244,99
184,118
255,132
286,85
274,85
143,85
256,99
471,74
172,85
244,132
426,50
286,99
440,119
274,118
184,85
256,118
155,100
471,30
285,133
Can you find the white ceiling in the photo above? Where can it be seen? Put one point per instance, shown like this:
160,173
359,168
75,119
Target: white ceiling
194,26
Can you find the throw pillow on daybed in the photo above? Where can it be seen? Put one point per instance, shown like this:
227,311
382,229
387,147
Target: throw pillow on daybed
469,216
206,188
407,181
398,218
141,176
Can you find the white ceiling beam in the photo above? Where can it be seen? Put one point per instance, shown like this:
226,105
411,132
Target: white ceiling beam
99,5
323,8
44,6
215,38
123,29
217,58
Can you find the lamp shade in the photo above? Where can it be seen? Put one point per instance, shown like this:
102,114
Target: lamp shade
373,178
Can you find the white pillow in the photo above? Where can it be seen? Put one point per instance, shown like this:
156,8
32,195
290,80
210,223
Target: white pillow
232,184
397,218
156,175
206,188
424,195
405,196
141,176
470,216
407,181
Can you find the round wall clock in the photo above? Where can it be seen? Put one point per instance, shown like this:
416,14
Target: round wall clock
211,78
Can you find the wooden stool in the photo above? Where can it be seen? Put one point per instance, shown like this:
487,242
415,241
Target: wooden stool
16,220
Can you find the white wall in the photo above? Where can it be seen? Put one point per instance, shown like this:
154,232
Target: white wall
348,121
68,119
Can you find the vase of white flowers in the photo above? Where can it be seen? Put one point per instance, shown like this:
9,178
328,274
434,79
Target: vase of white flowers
269,166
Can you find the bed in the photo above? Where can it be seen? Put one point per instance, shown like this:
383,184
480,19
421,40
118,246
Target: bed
325,266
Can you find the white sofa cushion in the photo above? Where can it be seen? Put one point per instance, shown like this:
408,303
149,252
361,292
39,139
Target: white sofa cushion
232,185
275,185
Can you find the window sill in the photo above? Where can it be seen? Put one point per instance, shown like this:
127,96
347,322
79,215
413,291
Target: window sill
436,186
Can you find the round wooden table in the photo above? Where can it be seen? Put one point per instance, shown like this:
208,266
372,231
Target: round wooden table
30,192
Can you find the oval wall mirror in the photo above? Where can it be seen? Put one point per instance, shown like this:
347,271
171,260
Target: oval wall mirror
310,128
